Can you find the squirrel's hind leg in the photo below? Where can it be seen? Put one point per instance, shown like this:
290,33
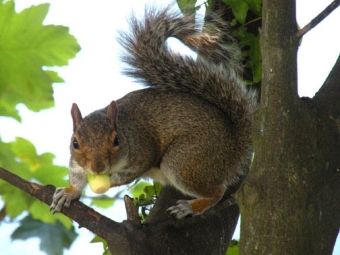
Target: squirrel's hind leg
195,175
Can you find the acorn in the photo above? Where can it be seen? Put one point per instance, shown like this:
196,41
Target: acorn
99,183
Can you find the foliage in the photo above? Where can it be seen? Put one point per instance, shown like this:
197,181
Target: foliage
247,17
98,239
145,196
245,21
233,248
21,157
34,228
27,48
240,8
102,201
185,5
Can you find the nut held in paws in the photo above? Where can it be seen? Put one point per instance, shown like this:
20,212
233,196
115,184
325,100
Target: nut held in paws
99,183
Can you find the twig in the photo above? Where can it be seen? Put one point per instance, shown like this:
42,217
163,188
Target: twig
330,8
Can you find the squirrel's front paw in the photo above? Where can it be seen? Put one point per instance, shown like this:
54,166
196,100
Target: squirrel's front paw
62,198
181,209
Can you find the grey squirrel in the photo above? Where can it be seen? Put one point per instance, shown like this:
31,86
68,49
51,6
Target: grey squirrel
190,128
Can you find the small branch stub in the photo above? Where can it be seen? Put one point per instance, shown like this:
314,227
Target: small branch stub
131,210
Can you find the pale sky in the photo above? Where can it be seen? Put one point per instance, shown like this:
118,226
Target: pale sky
93,79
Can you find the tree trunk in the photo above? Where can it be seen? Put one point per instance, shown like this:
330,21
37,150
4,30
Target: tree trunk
290,200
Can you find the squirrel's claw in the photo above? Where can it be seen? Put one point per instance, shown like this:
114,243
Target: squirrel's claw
181,209
61,199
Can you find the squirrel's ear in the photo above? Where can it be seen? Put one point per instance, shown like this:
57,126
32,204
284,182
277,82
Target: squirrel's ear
76,116
112,112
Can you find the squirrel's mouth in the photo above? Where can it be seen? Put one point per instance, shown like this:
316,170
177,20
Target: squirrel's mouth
91,171
97,166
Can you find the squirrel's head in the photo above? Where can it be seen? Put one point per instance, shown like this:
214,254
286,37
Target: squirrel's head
95,142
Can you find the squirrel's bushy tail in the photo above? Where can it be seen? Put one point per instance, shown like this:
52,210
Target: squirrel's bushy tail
213,76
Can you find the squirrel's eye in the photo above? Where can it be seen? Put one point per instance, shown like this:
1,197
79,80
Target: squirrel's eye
116,141
75,144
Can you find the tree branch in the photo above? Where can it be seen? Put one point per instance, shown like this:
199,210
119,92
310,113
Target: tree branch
209,233
327,98
79,212
330,8
332,83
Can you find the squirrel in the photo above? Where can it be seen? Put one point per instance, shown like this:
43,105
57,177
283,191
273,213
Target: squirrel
189,128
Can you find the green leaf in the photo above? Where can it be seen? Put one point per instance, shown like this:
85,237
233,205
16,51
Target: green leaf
7,156
233,248
240,9
26,46
251,52
138,189
41,212
145,196
145,191
257,73
53,238
150,191
26,157
255,5
52,174
37,167
54,76
102,201
186,6
254,56
16,201
25,151
98,239
20,156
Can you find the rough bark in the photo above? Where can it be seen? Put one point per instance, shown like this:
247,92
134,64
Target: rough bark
290,200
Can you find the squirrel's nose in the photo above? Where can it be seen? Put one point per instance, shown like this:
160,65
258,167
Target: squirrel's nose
97,166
